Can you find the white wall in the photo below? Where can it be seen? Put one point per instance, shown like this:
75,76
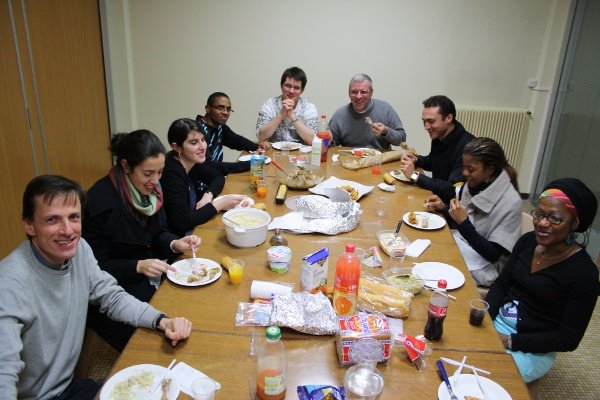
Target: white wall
166,57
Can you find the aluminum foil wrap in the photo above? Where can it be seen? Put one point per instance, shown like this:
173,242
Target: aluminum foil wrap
304,312
325,216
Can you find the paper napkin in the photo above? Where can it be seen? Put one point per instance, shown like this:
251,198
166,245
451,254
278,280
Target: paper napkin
186,375
417,247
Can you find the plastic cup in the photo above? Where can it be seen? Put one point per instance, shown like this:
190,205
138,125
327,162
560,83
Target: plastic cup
478,309
376,167
381,206
397,259
236,271
204,389
261,188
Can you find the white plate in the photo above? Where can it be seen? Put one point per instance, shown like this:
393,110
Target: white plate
396,173
435,221
186,266
364,149
247,157
290,145
124,374
334,182
438,270
247,202
467,386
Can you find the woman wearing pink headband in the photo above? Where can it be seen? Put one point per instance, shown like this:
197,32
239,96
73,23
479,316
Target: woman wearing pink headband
545,296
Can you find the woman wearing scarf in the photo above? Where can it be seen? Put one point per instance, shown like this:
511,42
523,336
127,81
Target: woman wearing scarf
486,221
191,185
545,296
125,225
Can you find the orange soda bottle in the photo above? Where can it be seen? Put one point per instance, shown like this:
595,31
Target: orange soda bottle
347,276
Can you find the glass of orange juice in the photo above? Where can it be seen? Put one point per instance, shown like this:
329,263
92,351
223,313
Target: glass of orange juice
261,188
236,271
376,167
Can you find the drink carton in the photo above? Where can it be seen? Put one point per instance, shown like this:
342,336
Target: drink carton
313,276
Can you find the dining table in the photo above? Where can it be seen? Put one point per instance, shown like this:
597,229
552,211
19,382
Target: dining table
222,350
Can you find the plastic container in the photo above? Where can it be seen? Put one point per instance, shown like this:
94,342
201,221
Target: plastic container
271,370
363,381
279,258
404,279
241,236
390,247
347,275
324,134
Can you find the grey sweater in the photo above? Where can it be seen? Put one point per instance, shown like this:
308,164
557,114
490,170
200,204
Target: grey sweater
42,318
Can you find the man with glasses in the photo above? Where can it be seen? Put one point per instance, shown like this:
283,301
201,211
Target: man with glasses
366,122
448,139
288,117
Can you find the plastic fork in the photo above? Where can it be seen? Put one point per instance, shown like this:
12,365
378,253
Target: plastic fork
478,382
440,366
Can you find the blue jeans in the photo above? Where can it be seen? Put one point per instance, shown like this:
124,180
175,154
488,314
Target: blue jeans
80,389
532,366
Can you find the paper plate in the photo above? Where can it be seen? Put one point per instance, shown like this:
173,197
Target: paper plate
334,182
437,271
434,221
247,157
397,174
186,266
467,386
131,372
286,145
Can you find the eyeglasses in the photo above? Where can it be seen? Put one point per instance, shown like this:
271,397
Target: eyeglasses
223,108
292,87
553,219
355,92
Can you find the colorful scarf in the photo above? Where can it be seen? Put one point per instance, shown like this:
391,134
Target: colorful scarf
563,198
142,205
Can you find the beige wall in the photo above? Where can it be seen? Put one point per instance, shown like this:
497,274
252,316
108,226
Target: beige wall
165,57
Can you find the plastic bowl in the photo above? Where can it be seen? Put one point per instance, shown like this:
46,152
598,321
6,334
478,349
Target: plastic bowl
301,176
386,235
241,236
405,279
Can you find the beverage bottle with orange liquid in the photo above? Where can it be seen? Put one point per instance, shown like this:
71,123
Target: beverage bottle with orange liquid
324,134
347,276
271,372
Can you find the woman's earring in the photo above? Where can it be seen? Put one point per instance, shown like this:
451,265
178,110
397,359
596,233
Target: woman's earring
572,238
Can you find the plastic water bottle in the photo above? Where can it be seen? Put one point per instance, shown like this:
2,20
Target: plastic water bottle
347,276
324,134
438,307
315,153
271,372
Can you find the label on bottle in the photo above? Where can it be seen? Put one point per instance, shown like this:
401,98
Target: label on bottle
275,384
438,311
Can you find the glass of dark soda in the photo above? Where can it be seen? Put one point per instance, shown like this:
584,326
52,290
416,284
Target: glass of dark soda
478,309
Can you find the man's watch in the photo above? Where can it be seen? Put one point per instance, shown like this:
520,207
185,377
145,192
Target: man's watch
414,177
157,322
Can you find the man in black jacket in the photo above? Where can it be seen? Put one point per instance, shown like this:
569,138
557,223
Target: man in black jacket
448,138
218,134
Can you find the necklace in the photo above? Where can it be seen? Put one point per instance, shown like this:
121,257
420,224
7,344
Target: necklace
542,256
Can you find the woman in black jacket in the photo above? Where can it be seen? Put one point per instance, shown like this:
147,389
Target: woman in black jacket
125,225
190,186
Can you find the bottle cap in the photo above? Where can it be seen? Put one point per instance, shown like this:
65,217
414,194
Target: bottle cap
442,284
273,332
323,116
350,247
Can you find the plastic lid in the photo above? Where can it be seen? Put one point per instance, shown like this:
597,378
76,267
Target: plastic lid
442,284
273,332
350,247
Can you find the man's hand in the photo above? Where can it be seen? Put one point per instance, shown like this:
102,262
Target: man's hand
176,329
153,267
186,243
407,164
264,146
379,129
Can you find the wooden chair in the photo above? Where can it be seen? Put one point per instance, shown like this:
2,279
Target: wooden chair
83,367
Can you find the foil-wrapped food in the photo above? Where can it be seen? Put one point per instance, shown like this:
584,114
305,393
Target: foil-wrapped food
304,312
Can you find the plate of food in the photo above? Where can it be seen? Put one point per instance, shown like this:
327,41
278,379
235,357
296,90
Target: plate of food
189,273
247,202
424,220
289,146
137,379
397,174
365,152
431,272
355,189
468,388
247,157
302,176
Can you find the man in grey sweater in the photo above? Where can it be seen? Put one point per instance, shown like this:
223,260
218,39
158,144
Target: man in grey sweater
366,122
46,284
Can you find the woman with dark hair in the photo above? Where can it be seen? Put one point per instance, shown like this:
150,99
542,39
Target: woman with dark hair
487,218
126,226
190,186
544,297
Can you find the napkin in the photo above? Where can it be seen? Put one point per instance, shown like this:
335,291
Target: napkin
416,248
293,221
386,187
186,375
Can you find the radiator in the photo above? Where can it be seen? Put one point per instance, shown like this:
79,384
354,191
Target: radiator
507,126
